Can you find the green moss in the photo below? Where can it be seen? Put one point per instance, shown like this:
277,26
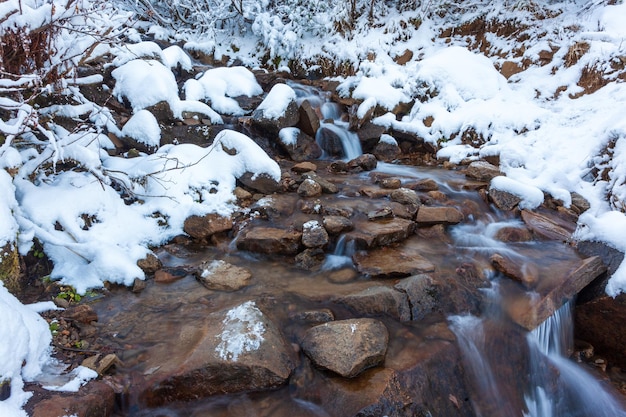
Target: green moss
10,268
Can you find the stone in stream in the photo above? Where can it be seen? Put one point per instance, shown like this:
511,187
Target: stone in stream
347,347
513,234
261,183
548,225
299,145
423,294
405,196
222,276
365,162
378,300
309,121
303,167
314,235
203,227
337,224
309,188
270,240
371,234
96,398
234,350
520,271
265,118
330,142
390,263
529,313
327,186
503,199
428,216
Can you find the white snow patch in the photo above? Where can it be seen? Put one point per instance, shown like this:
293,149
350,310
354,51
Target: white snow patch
531,197
277,101
144,128
289,136
243,331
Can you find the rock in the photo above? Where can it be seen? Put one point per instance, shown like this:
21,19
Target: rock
380,214
365,162
373,234
233,350
10,268
139,285
600,321
580,203
261,183
169,275
423,294
330,141
222,276
503,199
513,234
427,216
403,58
82,313
337,224
303,167
403,211
347,347
386,151
101,364
201,135
368,132
323,315
327,186
374,192
378,300
203,227
265,118
531,313
518,270
338,167
309,121
425,184
547,225
482,171
241,194
270,240
300,146
150,264
405,196
309,188
162,112
390,263
94,399
314,235
391,183
310,259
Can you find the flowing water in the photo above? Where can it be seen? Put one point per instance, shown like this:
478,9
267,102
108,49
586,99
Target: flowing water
509,372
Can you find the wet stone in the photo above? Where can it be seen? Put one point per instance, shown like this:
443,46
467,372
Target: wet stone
513,234
518,270
347,347
150,264
169,275
379,300
391,183
270,240
310,259
372,234
385,212
309,188
304,148
314,235
94,399
425,184
309,121
222,276
303,167
438,215
423,294
323,315
337,224
365,162
548,225
261,183
390,263
233,350
327,186
405,196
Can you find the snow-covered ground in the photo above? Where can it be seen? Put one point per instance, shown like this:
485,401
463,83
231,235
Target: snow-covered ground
547,140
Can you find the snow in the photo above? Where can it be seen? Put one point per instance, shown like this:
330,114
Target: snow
144,128
289,136
277,101
547,141
242,331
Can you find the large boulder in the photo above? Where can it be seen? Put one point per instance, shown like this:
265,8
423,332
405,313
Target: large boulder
234,350
371,234
277,111
347,347
202,227
379,300
391,263
299,145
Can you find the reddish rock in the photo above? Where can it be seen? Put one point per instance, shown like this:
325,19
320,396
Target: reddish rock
513,234
427,216
391,183
82,313
482,171
303,167
347,347
150,264
202,227
379,300
309,188
380,233
425,184
222,276
390,263
520,271
233,350
309,121
327,186
337,224
405,196
270,240
314,235
548,225
94,399
503,199
372,191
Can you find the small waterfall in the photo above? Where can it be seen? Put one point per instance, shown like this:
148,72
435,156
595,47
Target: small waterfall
560,387
341,256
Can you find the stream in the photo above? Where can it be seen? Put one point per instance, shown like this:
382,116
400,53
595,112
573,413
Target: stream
503,369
